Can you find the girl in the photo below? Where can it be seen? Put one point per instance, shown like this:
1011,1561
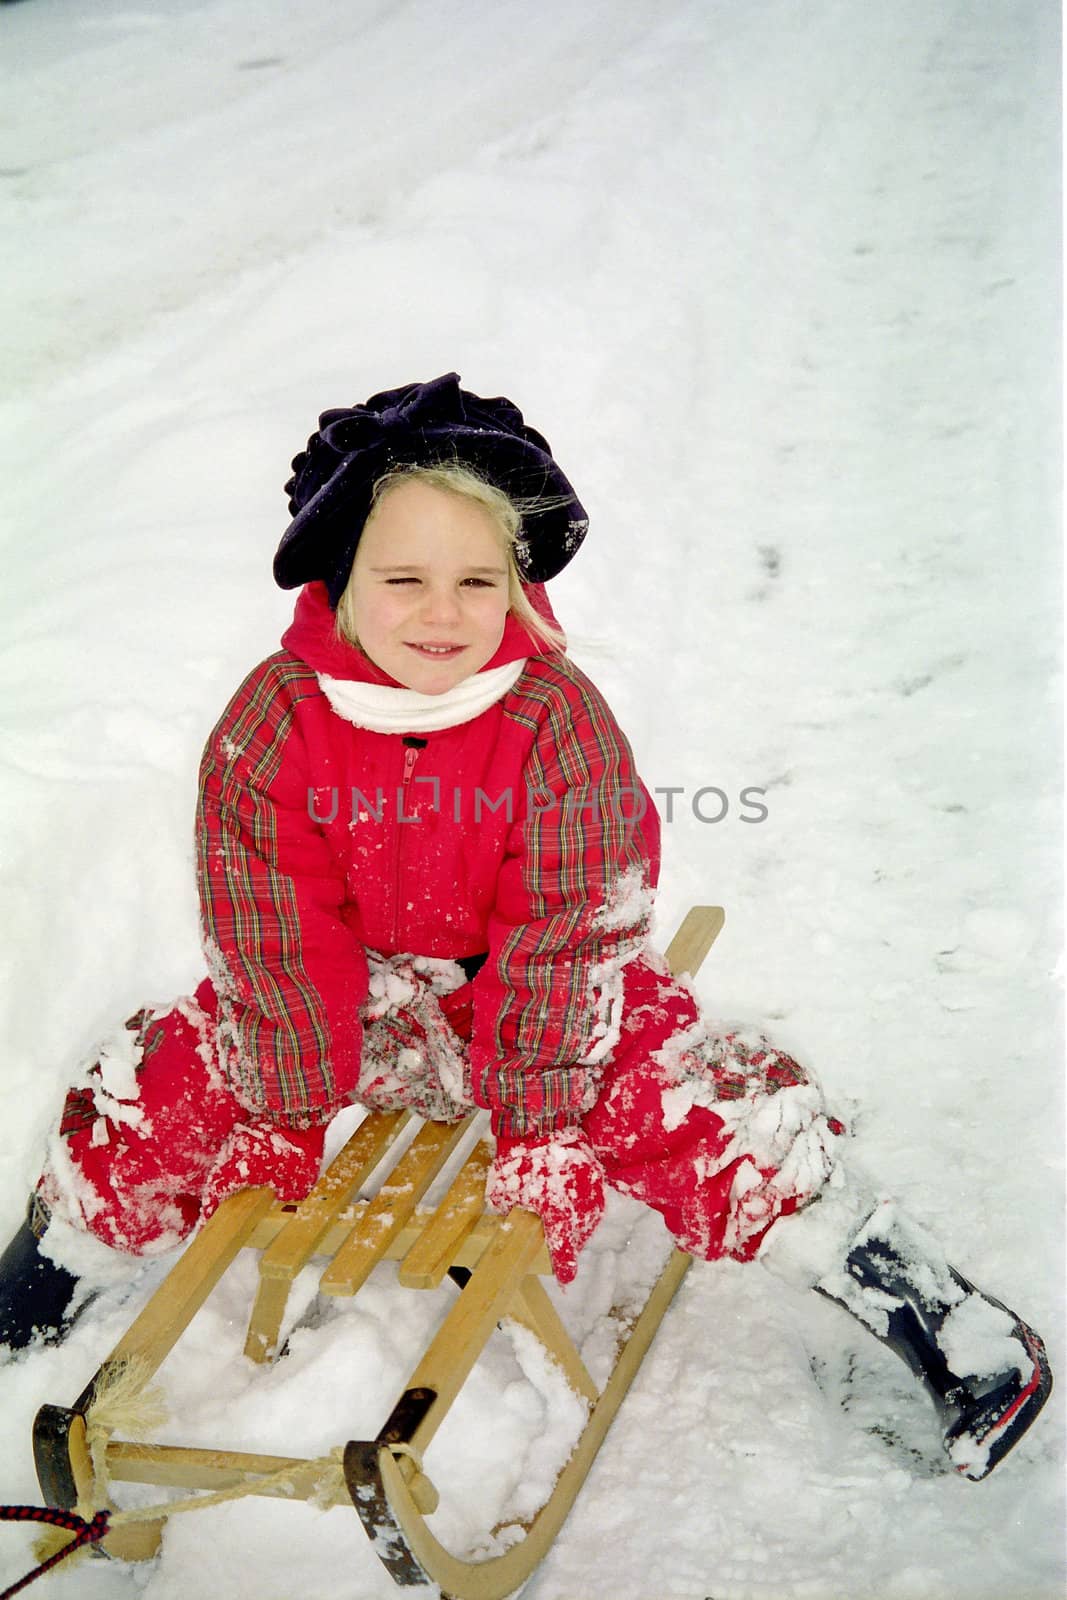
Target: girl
426,864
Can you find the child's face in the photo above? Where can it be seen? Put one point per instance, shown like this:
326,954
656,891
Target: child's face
429,587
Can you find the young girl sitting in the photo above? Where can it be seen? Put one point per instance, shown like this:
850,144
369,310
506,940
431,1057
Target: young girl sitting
426,865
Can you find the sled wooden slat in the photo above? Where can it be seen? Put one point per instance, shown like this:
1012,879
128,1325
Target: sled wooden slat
383,1217
301,1235
350,1168
502,1261
468,1251
425,1264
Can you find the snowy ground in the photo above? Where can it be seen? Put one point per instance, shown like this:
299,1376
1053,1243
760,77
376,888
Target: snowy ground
780,283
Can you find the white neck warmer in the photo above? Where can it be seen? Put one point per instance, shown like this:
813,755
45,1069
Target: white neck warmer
383,709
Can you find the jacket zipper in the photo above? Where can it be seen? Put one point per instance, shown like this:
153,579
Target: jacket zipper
411,755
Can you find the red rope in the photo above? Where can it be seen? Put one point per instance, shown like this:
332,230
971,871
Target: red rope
84,1533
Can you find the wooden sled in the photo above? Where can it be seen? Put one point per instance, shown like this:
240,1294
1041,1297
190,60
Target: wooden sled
498,1261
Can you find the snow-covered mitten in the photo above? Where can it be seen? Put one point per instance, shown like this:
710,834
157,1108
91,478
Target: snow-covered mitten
560,1179
743,1064
286,1160
412,1057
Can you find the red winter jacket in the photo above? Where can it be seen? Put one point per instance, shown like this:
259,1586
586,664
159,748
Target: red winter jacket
520,833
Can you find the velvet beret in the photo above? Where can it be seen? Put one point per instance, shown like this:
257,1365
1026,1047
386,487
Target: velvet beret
421,424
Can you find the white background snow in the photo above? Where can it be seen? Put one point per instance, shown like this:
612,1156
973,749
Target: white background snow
780,283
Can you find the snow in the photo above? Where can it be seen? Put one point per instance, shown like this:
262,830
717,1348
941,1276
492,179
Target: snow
976,1339
780,283
119,1058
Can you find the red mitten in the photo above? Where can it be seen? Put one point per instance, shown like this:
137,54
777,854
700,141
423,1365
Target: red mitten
286,1160
561,1179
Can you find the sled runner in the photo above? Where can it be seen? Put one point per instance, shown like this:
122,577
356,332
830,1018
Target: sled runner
497,1261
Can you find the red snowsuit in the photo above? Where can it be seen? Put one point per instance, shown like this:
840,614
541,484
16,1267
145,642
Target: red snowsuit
522,834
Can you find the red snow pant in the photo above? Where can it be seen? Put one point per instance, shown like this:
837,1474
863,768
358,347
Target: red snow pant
719,1132
137,1169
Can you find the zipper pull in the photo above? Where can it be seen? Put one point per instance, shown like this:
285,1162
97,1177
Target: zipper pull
411,755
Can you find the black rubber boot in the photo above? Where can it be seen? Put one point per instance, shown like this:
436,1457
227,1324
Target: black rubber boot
35,1294
984,1368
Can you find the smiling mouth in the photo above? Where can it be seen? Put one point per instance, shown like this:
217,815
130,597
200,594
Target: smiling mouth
436,652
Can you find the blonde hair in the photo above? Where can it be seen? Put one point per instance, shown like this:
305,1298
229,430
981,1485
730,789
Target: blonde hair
455,478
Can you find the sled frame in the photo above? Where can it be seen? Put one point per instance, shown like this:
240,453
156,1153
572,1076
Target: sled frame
498,1263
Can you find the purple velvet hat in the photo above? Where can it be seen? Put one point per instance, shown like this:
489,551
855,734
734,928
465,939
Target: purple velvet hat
421,425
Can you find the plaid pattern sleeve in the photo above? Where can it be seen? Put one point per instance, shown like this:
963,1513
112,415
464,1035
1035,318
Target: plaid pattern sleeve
573,904
289,974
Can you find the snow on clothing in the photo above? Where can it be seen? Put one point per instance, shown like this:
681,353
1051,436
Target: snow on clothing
522,835
719,1133
137,1163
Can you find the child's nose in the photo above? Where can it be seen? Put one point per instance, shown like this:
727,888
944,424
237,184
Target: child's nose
442,605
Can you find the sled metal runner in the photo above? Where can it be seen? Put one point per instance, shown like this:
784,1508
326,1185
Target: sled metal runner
499,1261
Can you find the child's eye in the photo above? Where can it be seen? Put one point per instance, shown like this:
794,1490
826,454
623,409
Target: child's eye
401,580
479,583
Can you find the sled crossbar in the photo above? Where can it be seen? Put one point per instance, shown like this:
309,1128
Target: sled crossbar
499,1263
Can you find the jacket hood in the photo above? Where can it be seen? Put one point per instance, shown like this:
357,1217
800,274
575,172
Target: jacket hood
312,638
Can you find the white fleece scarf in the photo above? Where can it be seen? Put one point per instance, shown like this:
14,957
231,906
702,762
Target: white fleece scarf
383,709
